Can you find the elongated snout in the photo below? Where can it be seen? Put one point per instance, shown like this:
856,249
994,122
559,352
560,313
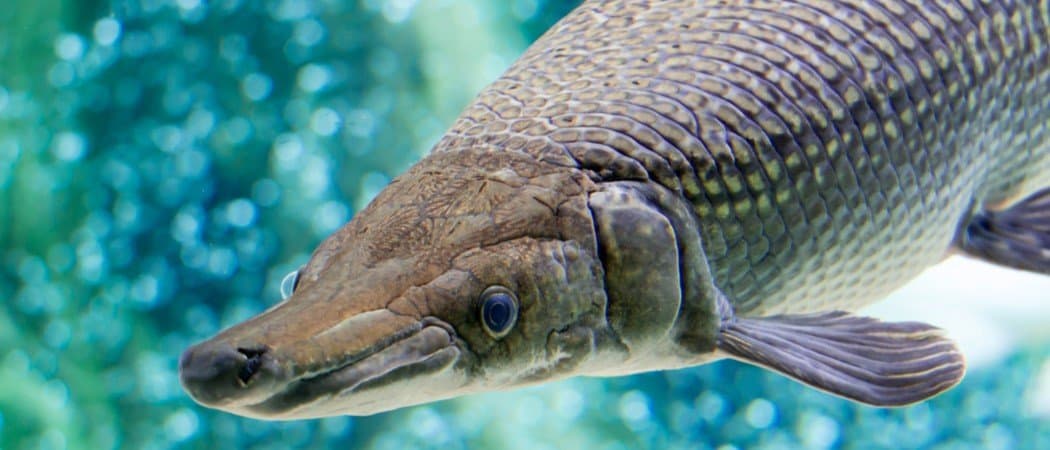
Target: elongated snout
311,356
216,373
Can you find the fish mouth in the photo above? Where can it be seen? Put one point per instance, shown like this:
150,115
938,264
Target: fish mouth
345,388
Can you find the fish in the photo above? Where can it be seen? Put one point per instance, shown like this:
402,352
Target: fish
656,185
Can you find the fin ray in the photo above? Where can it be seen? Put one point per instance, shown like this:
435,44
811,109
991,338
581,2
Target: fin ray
897,351
1017,237
860,358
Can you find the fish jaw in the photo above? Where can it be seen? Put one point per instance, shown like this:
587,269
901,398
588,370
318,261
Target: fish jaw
362,386
375,382
324,352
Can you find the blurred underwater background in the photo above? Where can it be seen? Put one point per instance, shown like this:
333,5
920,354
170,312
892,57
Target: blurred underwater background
164,163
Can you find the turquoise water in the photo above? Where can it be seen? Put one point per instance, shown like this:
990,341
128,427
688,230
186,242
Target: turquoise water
164,163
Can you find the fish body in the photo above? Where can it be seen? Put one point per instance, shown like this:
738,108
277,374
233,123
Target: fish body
830,150
661,184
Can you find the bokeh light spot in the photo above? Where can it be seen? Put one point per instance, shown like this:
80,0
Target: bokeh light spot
181,424
568,403
313,77
817,431
397,11
710,405
288,151
266,192
106,31
256,86
760,413
61,74
240,213
329,217
68,146
634,407
308,32
524,9
57,333
188,4
360,123
325,121
53,439
69,47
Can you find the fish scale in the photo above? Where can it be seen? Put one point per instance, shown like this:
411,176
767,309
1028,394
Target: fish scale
823,145
662,184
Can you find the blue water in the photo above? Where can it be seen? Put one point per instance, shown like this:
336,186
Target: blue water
164,163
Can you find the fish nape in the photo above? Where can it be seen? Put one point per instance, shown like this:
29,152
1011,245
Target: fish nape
657,185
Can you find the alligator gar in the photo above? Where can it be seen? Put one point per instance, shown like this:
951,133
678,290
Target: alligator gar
661,184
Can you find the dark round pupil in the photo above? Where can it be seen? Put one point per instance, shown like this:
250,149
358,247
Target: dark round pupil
497,312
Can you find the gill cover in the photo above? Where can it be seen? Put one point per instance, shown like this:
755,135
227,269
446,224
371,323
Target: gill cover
659,287
640,256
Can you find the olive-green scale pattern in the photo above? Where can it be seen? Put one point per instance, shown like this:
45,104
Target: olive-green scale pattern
830,149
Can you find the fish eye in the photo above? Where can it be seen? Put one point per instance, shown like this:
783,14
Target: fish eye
289,283
499,310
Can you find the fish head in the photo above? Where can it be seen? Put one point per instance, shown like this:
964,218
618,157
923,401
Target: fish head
474,271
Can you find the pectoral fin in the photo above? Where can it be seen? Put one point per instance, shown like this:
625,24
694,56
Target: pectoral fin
1018,237
860,358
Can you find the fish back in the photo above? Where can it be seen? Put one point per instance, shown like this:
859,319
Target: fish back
830,150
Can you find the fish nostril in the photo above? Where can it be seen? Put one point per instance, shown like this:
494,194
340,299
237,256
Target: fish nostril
218,373
251,365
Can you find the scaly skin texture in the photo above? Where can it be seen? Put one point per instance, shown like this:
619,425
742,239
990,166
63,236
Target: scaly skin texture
830,149
646,181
